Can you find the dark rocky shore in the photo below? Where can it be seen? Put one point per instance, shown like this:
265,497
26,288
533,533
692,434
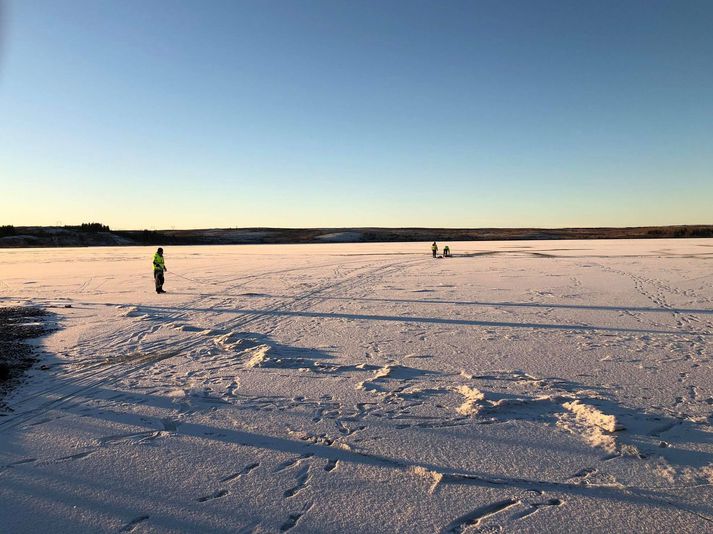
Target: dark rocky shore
18,325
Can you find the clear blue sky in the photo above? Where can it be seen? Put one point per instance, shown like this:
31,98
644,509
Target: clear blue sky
159,114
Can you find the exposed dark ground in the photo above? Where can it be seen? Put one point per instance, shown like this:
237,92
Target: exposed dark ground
18,324
95,234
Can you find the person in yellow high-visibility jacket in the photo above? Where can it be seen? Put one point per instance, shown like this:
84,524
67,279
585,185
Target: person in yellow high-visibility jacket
159,267
434,249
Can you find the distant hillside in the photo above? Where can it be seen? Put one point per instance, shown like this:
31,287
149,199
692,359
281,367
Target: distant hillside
94,234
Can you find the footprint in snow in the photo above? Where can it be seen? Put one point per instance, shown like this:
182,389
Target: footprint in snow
214,495
131,525
240,473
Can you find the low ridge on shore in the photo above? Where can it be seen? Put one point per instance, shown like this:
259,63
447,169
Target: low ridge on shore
95,234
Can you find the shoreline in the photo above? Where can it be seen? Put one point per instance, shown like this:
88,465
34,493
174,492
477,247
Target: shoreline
12,237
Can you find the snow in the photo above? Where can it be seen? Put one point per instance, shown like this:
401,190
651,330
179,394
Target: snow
541,386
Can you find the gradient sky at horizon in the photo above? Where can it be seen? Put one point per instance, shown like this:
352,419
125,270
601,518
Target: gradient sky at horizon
328,113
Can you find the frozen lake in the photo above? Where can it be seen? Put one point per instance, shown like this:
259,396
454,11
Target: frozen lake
551,386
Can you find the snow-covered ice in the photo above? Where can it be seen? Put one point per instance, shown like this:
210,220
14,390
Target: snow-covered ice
551,386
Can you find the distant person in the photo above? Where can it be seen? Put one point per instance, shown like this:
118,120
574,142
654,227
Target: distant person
446,251
434,249
159,267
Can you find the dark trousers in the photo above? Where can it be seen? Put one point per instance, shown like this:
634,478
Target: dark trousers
158,278
434,253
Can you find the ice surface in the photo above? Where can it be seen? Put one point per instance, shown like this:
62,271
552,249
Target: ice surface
551,386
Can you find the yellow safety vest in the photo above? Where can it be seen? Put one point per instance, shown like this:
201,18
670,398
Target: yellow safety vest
158,264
